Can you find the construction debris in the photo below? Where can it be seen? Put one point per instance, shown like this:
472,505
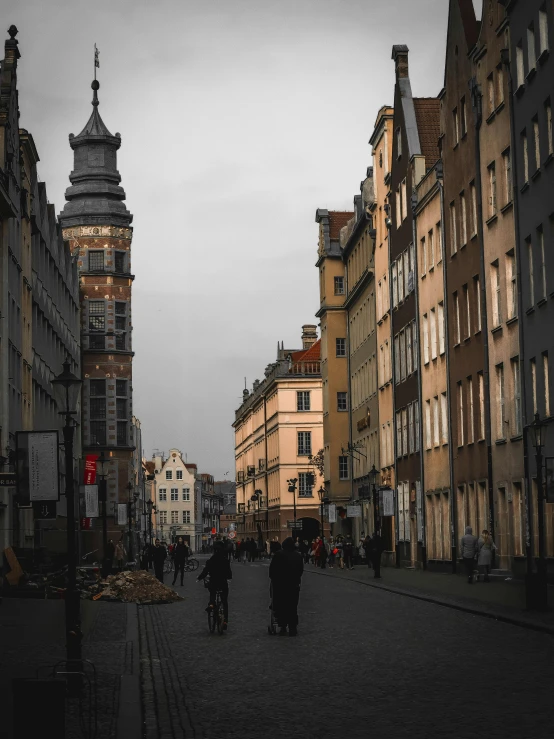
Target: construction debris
132,587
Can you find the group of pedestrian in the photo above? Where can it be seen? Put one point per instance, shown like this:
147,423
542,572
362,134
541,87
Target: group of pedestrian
478,551
248,550
115,556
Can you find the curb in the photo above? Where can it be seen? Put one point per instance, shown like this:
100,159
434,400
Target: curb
497,616
129,718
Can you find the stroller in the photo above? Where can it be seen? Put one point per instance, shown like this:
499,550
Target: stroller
272,626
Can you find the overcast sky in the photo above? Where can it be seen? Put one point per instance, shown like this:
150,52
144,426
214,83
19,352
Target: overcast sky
238,119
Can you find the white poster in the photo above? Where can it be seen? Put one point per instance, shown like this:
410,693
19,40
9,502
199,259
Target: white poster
332,508
353,511
387,502
91,501
122,514
43,466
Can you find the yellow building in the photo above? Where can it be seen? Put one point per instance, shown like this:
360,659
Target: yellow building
278,428
334,365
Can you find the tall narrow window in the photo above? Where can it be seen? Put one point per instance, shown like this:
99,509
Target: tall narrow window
398,143
431,249
444,419
433,331
537,143
456,319
416,424
463,224
453,228
542,275
455,127
473,192
404,201
409,351
463,122
534,384
495,295
441,328
520,66
500,402
436,429
411,427
531,272
398,423
525,149
425,339
460,415
490,93
481,382
415,339
470,418
428,424
439,242
531,51
548,111
401,284
477,295
492,190
543,30
398,208
405,431
394,270
423,256
499,85
468,311
517,396
511,282
546,373
507,164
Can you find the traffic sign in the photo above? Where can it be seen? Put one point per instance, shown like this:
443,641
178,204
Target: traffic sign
45,510
8,479
294,524
232,534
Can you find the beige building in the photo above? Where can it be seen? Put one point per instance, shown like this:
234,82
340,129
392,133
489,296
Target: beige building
358,250
174,497
381,142
433,344
498,238
278,428
334,365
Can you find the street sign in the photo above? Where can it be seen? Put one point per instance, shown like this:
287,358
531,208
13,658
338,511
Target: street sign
45,510
37,466
332,513
232,534
86,524
121,514
8,479
91,501
353,511
387,502
294,524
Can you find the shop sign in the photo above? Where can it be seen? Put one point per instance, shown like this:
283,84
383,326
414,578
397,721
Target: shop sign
353,511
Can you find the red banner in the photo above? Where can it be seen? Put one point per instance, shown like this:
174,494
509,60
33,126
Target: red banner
90,469
85,524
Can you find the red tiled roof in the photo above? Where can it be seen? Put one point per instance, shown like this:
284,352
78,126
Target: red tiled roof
150,467
191,466
338,219
312,354
427,111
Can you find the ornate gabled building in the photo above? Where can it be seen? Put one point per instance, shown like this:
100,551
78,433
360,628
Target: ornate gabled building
97,225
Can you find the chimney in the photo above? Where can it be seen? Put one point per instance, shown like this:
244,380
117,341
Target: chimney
400,56
309,335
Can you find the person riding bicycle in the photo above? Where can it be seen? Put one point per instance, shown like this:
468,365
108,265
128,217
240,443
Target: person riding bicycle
218,570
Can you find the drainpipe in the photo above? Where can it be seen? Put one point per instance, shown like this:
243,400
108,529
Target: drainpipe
477,104
393,381
505,56
419,385
453,538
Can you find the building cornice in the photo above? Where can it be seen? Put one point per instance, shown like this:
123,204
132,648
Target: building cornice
356,234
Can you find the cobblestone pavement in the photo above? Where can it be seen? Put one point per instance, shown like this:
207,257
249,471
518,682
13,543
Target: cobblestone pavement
366,663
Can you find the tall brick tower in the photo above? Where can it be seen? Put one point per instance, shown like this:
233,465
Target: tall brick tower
97,225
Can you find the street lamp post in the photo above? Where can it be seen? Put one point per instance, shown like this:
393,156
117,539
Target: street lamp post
292,489
537,592
102,469
323,501
376,513
67,387
129,487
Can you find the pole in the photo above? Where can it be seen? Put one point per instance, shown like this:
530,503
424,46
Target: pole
541,562
321,512
103,496
294,504
72,596
130,514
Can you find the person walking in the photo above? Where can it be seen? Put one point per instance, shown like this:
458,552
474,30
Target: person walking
323,553
159,555
120,554
332,553
339,545
108,558
469,551
285,572
348,549
485,548
179,558
375,553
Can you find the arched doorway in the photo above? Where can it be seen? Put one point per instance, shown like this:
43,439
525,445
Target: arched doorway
309,530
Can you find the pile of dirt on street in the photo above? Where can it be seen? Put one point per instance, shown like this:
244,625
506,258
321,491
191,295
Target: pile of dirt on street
134,587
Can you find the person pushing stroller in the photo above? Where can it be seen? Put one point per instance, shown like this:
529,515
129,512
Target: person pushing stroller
285,572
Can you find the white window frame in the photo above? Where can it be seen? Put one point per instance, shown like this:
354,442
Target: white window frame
481,383
460,391
444,418
433,332
441,327
425,339
436,429
471,416
517,396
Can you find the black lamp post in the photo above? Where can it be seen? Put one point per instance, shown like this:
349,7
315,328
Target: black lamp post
292,489
373,473
102,470
537,592
129,487
67,387
323,501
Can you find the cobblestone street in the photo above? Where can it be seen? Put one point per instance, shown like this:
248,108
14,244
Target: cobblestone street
366,662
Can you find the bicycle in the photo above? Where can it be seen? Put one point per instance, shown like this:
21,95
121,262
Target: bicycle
191,564
216,615
169,565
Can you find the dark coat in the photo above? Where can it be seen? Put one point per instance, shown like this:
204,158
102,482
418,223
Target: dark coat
218,569
286,569
110,551
180,553
158,556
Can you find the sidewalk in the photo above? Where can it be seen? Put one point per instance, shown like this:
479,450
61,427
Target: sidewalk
32,636
500,599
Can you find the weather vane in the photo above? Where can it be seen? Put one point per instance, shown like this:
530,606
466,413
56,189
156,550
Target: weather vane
96,59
